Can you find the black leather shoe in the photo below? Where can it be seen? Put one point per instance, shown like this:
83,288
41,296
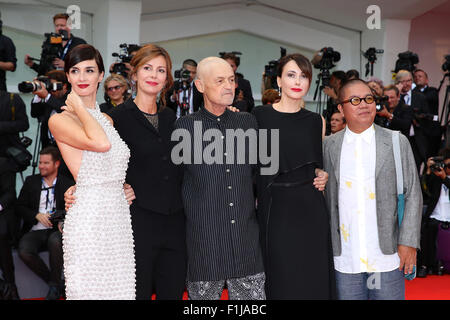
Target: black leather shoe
422,273
10,292
440,269
53,293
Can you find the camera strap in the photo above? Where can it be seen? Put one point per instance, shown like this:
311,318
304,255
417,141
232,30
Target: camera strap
66,48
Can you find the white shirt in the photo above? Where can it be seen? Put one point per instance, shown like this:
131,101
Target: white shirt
357,208
442,210
46,206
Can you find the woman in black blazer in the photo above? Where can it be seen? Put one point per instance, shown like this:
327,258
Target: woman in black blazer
157,212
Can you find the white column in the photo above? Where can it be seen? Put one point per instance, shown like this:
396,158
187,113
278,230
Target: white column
116,22
392,37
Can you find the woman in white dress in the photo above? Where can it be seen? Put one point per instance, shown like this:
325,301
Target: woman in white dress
97,239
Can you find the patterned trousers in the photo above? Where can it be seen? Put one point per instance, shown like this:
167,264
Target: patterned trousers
246,288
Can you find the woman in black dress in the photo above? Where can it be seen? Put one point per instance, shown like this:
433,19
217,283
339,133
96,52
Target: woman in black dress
294,223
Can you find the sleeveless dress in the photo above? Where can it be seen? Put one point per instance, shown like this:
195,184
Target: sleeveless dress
294,220
98,243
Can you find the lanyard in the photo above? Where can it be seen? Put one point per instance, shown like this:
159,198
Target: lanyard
49,203
66,48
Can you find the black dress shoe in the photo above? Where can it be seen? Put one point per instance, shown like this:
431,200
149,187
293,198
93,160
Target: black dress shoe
422,273
440,269
10,292
53,293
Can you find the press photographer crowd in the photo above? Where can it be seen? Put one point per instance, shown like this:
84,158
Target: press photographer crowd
31,222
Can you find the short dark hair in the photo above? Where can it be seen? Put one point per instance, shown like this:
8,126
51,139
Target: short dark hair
343,118
232,56
190,62
53,151
338,74
301,61
352,73
445,152
392,87
58,75
349,84
80,53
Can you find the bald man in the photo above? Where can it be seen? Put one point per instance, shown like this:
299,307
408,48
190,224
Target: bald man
371,253
222,231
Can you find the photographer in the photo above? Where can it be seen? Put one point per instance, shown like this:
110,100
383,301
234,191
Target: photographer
397,115
432,126
13,119
46,103
337,80
418,102
68,43
243,98
40,197
124,67
184,98
7,57
437,184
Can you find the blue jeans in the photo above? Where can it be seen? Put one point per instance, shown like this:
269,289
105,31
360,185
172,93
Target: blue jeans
371,286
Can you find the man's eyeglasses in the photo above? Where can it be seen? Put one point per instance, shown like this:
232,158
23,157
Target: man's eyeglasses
114,88
357,100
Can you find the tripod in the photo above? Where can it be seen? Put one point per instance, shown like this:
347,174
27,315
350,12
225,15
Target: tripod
445,113
185,104
37,146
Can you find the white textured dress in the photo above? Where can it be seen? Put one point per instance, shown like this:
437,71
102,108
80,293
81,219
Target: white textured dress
98,241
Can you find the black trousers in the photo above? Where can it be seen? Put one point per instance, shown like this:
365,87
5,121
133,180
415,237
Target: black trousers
160,253
427,255
6,259
37,241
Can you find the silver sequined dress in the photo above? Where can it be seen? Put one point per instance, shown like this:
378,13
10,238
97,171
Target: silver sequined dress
98,240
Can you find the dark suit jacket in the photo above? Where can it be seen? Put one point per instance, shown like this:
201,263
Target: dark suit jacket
419,105
27,205
156,181
403,115
197,99
9,129
434,185
42,111
432,128
7,187
248,103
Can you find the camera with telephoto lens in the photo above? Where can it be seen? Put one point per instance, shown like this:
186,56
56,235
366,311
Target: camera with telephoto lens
438,164
31,86
324,60
182,77
124,56
406,61
271,69
51,49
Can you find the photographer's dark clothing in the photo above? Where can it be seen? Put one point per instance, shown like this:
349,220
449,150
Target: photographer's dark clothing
7,54
157,212
197,99
432,127
34,242
418,140
105,107
7,201
43,110
248,103
9,128
427,255
403,115
29,198
71,43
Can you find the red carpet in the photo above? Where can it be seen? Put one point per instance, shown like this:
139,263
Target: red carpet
429,288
